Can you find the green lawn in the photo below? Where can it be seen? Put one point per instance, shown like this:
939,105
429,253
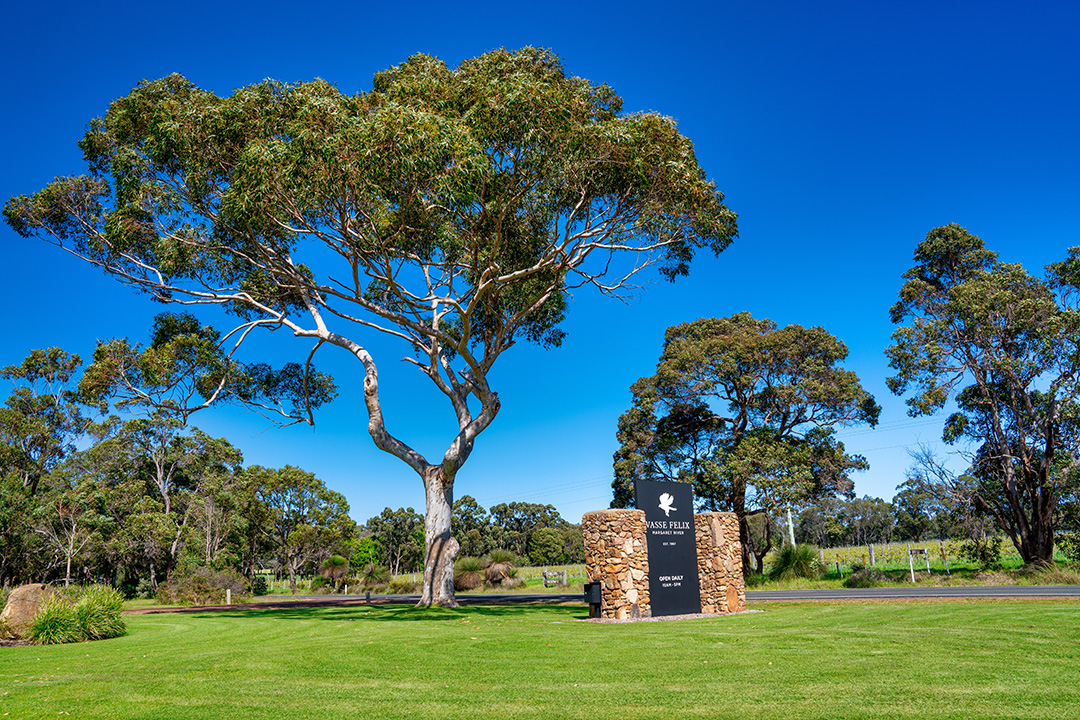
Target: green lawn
956,659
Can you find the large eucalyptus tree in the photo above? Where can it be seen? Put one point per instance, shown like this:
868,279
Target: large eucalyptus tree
454,209
1005,346
745,411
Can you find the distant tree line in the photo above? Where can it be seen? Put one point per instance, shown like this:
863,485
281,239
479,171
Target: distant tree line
536,533
132,500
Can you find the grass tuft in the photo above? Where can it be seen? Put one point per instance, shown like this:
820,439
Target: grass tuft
795,562
98,612
55,623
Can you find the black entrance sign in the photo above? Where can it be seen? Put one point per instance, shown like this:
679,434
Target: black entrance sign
673,572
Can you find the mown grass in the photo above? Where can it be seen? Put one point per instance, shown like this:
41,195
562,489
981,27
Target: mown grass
956,659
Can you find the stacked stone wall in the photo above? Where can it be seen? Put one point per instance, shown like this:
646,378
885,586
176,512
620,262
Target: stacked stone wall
723,589
616,556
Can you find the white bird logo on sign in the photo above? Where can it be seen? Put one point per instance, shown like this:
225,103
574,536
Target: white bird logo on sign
665,503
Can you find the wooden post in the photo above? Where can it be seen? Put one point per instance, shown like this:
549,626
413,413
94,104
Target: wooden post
228,596
943,558
873,558
911,565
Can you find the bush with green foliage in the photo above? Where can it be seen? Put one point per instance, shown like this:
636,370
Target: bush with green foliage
202,586
984,551
403,587
793,561
94,615
865,578
259,586
334,569
1068,544
145,589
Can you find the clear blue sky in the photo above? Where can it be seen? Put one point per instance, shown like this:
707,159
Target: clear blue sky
841,132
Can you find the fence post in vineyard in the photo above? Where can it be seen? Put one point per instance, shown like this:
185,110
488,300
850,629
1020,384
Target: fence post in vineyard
941,544
873,558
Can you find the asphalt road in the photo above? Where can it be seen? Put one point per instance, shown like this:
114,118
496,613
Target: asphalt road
900,593
904,593
913,593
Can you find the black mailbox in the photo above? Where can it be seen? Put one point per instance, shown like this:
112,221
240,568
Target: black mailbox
593,598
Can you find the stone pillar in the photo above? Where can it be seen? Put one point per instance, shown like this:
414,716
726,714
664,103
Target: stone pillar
616,556
723,589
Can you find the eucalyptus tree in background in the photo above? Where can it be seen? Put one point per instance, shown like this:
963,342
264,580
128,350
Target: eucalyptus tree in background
453,209
745,411
1006,347
42,418
399,537
307,521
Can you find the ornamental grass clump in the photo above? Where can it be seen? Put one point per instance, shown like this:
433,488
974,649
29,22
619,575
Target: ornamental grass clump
95,615
334,569
375,577
99,611
468,573
795,562
54,623
500,567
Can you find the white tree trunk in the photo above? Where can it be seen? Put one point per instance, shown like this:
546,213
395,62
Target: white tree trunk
440,547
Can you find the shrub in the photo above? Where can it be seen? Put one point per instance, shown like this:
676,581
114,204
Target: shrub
201,586
144,590
865,578
1068,543
403,587
259,586
99,613
795,562
320,585
54,623
984,551
468,573
334,568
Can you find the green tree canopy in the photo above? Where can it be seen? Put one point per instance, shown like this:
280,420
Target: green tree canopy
745,411
454,209
307,521
1006,347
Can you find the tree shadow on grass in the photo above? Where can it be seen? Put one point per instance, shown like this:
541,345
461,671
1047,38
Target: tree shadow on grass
400,613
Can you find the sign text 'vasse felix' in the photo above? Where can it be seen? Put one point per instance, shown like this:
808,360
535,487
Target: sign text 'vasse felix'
673,572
